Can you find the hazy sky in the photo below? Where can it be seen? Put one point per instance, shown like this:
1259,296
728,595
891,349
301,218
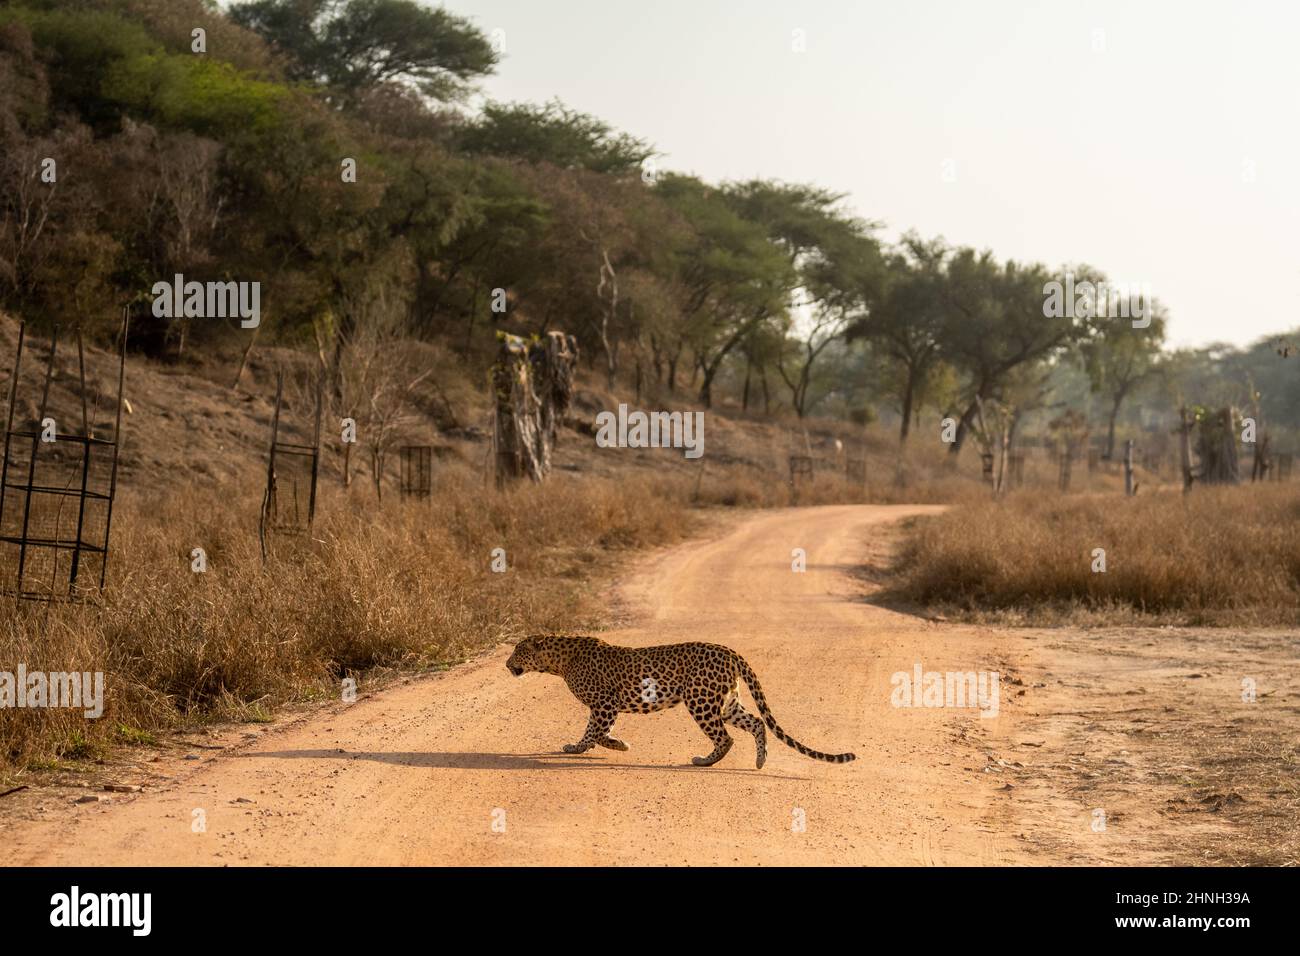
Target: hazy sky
1159,142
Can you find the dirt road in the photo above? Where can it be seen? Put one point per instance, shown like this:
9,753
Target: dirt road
463,767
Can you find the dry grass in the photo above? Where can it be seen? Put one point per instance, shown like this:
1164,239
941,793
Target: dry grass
402,585
1216,556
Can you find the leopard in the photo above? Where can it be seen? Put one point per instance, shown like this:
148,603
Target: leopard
612,680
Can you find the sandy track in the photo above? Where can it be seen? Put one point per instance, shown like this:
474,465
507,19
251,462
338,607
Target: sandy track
433,770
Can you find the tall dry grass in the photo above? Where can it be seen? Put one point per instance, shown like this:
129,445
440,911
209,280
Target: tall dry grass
404,585
1215,556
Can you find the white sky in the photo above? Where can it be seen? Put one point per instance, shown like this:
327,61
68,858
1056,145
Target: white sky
1171,156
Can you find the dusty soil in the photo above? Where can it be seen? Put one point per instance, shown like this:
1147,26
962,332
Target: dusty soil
1185,741
463,767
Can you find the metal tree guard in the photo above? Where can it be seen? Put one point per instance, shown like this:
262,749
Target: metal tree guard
34,539
416,479
278,515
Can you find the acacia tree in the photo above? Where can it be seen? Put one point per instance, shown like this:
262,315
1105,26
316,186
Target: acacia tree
733,278
352,46
761,349
471,227
907,322
581,249
553,134
598,215
994,322
1119,358
733,317
650,305
649,289
836,263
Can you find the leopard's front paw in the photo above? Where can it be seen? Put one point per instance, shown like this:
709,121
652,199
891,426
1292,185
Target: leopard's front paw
613,743
574,749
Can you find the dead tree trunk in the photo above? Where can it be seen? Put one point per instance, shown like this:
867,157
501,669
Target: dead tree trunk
1217,447
1130,486
532,385
1261,461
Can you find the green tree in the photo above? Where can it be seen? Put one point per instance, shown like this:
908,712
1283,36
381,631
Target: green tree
995,321
552,133
907,322
1118,358
836,261
352,45
733,278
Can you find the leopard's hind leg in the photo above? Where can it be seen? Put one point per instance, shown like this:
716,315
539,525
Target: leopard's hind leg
707,711
738,716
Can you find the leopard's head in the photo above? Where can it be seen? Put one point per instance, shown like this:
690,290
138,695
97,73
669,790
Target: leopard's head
533,653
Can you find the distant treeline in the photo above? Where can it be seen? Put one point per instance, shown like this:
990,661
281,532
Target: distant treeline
326,149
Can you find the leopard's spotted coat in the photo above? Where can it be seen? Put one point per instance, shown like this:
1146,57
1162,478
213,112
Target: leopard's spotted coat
614,680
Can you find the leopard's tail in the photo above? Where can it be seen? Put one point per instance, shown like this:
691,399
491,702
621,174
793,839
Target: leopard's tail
751,680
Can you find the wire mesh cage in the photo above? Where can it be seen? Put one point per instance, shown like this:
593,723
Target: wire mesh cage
57,486
416,474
